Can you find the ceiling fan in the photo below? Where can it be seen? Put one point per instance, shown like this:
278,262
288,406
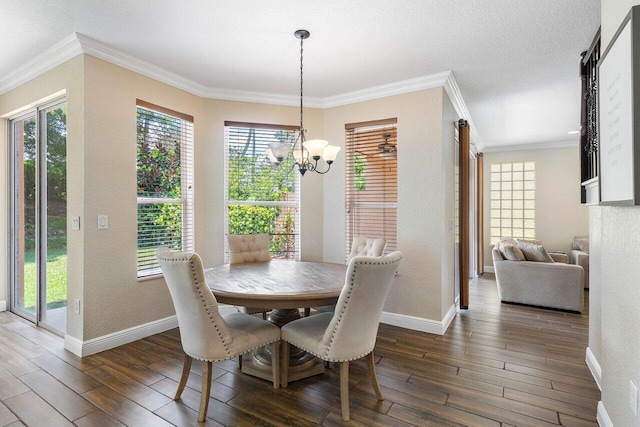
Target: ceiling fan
387,149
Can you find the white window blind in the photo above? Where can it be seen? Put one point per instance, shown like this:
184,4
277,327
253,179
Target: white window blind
165,183
513,200
261,197
372,181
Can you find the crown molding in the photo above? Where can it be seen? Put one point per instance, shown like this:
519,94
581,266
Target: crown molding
537,146
453,90
77,43
59,53
262,97
376,92
130,62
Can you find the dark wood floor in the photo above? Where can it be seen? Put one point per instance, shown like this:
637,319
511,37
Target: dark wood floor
497,365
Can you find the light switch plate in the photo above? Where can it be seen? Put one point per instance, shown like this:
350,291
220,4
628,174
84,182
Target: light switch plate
103,222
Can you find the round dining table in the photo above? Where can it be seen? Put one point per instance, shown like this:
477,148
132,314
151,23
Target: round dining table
283,287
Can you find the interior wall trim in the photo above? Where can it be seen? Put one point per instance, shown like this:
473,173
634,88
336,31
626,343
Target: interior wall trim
66,49
3,306
594,367
602,417
106,342
536,146
77,43
419,323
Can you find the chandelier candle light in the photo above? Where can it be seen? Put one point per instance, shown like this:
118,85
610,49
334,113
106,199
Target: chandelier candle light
305,153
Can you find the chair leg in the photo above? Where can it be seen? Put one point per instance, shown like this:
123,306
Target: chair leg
344,390
186,367
275,363
285,363
240,361
264,315
206,391
373,377
307,311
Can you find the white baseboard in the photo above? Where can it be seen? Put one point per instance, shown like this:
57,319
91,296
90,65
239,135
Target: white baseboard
115,339
489,269
420,323
3,306
602,416
594,367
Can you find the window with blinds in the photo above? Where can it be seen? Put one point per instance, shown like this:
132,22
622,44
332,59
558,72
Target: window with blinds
513,200
372,181
165,183
261,197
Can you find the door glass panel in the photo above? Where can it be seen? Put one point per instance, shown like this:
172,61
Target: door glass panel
54,286
39,217
25,271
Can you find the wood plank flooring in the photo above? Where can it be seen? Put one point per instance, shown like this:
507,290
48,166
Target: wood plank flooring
497,365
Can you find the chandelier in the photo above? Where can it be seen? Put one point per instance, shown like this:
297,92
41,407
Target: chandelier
305,153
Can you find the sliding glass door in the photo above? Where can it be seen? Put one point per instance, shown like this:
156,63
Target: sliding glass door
39,216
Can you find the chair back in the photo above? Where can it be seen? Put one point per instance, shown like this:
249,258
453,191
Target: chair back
351,334
364,246
245,248
203,332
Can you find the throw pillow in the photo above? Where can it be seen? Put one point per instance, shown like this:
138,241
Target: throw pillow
581,243
534,241
505,241
513,253
533,252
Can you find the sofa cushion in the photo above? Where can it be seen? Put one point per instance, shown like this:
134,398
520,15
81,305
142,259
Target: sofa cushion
533,252
581,243
513,252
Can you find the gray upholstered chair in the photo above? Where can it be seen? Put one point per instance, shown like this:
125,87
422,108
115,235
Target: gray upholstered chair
350,332
360,246
205,334
245,248
580,256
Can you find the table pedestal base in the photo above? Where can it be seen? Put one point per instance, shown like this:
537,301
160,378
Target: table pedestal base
301,364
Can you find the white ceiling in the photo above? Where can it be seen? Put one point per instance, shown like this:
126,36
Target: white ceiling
515,61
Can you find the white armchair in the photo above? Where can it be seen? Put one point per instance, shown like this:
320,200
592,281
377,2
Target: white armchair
580,256
360,246
350,332
204,333
245,248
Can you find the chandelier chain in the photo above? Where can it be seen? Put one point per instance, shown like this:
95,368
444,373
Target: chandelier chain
301,106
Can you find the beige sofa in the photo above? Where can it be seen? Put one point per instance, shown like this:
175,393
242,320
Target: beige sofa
545,284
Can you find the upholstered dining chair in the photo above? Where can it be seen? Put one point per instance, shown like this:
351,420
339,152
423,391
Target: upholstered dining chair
350,332
204,333
359,246
245,248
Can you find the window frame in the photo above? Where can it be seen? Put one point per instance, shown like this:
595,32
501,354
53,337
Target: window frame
507,206
150,269
295,203
360,178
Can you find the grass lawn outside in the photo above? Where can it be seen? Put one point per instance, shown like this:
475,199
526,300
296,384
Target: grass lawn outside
56,279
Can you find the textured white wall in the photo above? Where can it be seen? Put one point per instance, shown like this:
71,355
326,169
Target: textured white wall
559,214
613,12
618,281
